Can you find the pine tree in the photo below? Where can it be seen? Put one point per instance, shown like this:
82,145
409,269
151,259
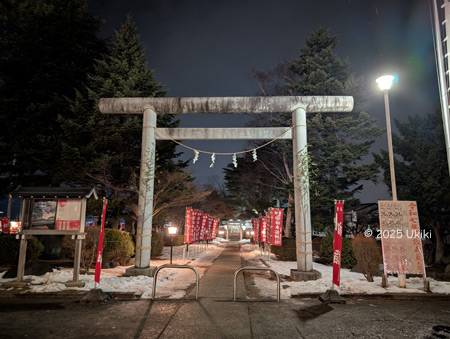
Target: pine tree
106,148
47,49
337,142
421,172
248,195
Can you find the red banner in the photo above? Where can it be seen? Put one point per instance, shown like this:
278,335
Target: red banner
268,229
188,225
208,228
338,225
198,225
193,231
276,226
203,227
262,228
98,264
215,227
255,223
5,225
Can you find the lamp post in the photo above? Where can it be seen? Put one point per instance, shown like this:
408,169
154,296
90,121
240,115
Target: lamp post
172,230
385,83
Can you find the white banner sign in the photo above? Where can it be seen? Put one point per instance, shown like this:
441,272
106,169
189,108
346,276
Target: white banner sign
401,237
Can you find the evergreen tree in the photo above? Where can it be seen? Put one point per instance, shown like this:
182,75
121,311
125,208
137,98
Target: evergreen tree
249,195
106,148
47,47
337,142
421,172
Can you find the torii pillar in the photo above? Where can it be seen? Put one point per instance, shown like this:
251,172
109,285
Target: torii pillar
297,105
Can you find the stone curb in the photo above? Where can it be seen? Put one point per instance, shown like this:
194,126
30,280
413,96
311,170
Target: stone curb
381,296
73,295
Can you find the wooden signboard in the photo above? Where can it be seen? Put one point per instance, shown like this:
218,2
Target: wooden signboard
401,237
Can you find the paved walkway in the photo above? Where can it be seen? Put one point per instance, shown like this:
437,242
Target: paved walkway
215,315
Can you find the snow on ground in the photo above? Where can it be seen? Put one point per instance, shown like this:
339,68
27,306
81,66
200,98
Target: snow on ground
171,283
351,282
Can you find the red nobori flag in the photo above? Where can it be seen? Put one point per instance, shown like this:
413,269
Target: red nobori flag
215,226
262,228
268,228
204,227
255,230
98,263
198,224
337,250
196,214
210,228
188,225
276,226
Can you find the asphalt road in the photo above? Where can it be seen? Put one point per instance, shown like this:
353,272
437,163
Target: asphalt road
209,318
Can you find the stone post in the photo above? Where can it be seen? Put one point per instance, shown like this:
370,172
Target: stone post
145,204
303,231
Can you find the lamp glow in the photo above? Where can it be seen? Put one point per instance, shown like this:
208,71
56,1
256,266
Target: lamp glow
385,82
172,230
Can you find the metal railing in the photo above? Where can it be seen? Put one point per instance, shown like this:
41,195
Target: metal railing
255,268
197,277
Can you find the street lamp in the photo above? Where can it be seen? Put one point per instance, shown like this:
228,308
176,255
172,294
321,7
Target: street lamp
385,83
172,230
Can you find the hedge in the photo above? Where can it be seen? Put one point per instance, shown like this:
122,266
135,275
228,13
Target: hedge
118,246
178,240
9,249
157,244
348,260
287,252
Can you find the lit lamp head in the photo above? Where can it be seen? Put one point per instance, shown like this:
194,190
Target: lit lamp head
385,82
221,232
172,230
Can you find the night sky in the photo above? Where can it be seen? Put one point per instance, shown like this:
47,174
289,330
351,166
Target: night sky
209,48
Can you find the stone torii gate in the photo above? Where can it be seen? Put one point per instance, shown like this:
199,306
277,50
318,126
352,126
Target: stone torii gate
297,105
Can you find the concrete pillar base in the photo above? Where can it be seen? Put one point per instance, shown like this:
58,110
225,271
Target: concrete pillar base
332,297
74,283
95,296
305,276
135,271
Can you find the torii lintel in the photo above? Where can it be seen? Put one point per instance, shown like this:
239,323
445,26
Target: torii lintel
227,105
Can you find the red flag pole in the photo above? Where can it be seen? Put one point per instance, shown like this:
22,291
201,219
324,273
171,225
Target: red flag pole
337,244
98,263
334,239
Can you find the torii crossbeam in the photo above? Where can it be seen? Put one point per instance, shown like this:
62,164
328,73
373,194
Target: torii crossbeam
297,105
